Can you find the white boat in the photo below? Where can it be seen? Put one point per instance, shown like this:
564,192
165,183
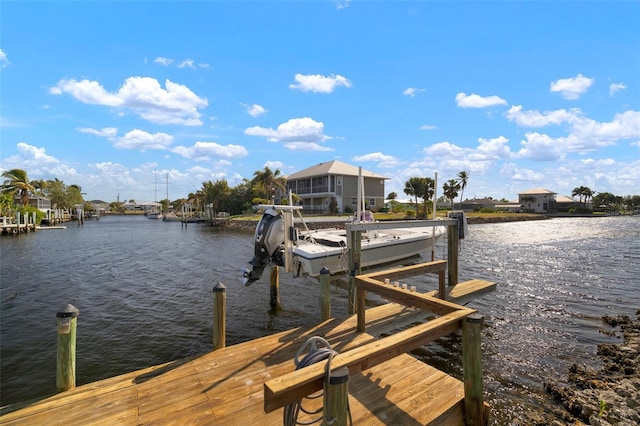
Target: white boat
329,248
276,240
154,215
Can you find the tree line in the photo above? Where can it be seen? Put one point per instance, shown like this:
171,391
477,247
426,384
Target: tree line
263,188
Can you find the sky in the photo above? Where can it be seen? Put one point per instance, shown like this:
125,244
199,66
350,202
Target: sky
134,99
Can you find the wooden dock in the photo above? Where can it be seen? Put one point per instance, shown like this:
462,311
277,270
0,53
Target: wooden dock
227,386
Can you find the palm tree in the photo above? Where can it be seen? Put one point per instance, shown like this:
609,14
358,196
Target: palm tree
17,183
450,190
267,182
414,187
464,177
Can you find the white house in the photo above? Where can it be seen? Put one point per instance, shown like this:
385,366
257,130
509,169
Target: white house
538,200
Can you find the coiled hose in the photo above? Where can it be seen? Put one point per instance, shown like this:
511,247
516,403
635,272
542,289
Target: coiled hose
315,354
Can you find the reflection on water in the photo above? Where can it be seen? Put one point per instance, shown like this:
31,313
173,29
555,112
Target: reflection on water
144,290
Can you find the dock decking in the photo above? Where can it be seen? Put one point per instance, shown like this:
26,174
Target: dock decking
226,386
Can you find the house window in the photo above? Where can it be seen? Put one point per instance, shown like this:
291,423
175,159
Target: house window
372,202
354,201
338,180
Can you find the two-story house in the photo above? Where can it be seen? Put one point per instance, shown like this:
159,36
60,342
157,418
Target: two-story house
334,181
538,200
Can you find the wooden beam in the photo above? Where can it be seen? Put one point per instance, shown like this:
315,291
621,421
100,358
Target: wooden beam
409,271
293,386
405,297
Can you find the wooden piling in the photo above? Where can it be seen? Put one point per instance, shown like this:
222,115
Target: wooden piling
354,241
472,370
66,319
325,293
336,398
453,240
219,316
274,287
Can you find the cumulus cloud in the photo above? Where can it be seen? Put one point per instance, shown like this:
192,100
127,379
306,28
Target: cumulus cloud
383,160
411,91
142,141
584,134
477,101
37,162
342,4
571,88
513,172
174,104
535,118
4,61
203,151
296,134
319,83
615,87
541,147
255,110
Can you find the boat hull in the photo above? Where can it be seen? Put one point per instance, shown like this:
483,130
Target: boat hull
329,249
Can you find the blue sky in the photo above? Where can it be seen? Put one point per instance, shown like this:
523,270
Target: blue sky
115,96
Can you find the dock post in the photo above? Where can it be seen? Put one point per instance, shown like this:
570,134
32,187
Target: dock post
274,287
472,370
66,324
354,243
219,316
336,398
453,240
17,223
325,293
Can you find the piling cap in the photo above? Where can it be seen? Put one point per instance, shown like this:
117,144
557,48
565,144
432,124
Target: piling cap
219,288
68,311
324,270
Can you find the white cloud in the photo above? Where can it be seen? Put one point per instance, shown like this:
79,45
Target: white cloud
411,91
383,160
428,127
492,149
477,101
107,132
274,165
296,134
534,118
4,61
615,87
38,163
36,154
571,88
342,4
187,63
543,147
142,141
513,172
255,110
175,104
203,151
319,83
163,61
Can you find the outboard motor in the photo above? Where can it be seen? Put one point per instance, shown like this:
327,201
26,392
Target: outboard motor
268,245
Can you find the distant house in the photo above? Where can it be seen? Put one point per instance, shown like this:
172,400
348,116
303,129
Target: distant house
334,181
565,203
41,203
144,206
538,200
476,204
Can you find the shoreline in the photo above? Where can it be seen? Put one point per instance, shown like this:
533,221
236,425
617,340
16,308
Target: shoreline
610,396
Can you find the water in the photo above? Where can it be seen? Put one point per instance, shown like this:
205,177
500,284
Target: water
144,291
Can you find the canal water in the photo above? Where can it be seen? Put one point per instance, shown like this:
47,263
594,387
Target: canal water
144,291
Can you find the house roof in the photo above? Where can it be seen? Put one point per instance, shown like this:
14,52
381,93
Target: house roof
564,199
536,191
334,167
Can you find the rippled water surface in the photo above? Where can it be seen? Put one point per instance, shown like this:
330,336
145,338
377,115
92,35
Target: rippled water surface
144,291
